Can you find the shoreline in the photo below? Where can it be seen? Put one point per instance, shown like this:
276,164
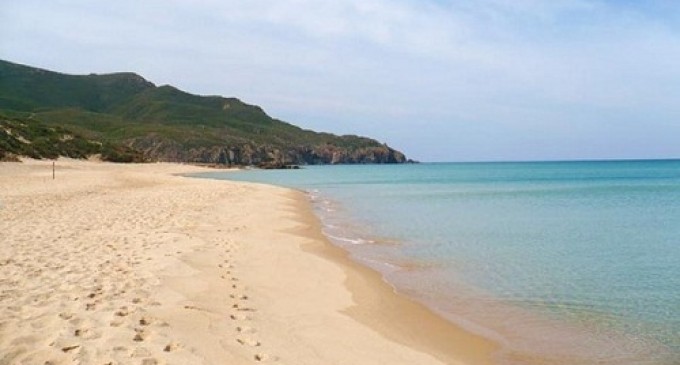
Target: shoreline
422,329
131,264
521,334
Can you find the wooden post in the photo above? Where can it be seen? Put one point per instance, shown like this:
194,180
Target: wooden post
53,170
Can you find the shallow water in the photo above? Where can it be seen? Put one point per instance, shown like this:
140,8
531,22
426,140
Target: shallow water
560,262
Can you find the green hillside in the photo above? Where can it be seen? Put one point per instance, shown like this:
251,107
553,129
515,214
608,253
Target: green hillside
129,113
30,138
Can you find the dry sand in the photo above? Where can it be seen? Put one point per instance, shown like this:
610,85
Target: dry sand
130,264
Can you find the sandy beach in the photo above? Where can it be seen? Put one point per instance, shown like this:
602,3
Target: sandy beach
133,264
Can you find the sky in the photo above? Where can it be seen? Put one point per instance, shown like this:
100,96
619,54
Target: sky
482,80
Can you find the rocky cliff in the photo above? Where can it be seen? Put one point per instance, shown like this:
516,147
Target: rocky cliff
160,149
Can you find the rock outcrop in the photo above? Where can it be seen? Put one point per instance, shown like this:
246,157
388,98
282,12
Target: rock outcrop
158,149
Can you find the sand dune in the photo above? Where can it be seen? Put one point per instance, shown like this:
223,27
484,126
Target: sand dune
129,264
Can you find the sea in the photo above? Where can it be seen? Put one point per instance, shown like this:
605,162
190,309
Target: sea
557,262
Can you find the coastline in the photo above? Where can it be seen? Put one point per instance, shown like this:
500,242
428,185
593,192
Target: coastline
371,218
131,264
377,304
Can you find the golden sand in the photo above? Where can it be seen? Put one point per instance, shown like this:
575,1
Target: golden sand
131,264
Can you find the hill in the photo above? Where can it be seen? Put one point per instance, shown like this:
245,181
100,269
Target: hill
134,119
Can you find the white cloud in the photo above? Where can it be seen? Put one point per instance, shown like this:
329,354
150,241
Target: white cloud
465,69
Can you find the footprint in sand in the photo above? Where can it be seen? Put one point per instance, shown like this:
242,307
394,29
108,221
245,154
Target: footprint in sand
172,346
245,329
145,321
87,333
243,309
122,312
262,357
66,315
139,337
239,317
248,341
239,307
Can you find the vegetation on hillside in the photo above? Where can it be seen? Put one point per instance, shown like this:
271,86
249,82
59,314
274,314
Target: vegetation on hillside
31,138
125,112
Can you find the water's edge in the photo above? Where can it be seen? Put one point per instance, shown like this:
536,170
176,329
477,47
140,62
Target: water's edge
527,333
557,352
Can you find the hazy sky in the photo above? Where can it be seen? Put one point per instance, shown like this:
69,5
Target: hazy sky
441,80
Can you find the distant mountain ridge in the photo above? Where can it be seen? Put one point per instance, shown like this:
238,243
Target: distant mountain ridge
136,119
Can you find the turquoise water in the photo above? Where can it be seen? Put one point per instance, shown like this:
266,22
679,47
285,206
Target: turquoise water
560,262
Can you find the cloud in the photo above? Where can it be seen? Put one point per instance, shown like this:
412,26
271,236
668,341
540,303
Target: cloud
473,78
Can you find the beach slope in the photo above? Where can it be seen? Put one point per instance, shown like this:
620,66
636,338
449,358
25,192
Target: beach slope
133,264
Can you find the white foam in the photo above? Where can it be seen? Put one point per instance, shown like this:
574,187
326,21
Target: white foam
354,241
